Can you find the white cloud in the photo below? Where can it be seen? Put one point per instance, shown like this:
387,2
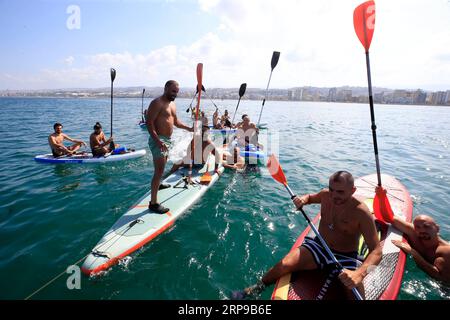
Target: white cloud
69,61
316,39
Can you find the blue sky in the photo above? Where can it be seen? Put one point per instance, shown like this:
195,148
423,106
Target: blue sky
151,41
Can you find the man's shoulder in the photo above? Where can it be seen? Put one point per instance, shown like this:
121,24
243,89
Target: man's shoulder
444,248
156,101
361,208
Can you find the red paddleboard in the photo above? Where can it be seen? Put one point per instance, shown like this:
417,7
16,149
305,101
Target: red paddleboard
384,281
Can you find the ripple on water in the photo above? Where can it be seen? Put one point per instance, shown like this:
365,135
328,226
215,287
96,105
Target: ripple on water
240,228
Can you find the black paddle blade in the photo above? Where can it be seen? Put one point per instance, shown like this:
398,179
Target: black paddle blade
143,91
242,89
113,74
203,89
275,58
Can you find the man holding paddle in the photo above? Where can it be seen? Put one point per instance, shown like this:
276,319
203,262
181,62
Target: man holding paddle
161,117
343,220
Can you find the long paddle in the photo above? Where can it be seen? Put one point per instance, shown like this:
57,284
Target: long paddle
142,111
274,62
113,76
364,23
241,94
277,173
190,105
199,90
204,90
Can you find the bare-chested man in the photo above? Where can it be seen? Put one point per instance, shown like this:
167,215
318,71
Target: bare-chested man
234,160
99,145
199,158
247,132
161,117
343,220
56,139
430,252
216,122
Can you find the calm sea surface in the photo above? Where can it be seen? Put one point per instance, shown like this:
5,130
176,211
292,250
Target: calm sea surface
51,216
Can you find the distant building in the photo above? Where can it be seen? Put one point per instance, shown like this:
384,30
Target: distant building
332,94
290,95
298,94
419,97
439,98
344,96
378,97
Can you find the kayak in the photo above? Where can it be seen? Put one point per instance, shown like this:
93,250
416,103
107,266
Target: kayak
383,281
138,225
88,158
222,131
251,153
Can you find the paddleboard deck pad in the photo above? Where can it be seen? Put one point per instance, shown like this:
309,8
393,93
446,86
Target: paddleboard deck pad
384,281
139,226
88,158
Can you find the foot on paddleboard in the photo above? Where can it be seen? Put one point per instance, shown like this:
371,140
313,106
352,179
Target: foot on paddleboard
164,186
157,208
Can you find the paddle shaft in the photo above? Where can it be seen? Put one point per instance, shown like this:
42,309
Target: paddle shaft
235,111
324,244
111,108
190,105
142,106
372,117
265,97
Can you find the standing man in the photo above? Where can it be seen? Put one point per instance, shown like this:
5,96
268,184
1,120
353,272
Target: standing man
161,117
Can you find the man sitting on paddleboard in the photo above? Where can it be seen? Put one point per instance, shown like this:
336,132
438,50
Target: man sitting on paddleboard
430,252
99,145
161,117
193,155
247,133
56,139
216,122
225,120
343,220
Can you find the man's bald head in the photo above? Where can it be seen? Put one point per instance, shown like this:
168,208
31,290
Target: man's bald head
341,187
170,83
171,90
343,177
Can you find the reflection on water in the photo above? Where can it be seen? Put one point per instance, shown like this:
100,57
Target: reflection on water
239,228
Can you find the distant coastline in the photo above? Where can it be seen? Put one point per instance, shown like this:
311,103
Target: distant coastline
344,94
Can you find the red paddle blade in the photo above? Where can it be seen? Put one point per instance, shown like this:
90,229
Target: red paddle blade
199,86
381,206
275,170
364,22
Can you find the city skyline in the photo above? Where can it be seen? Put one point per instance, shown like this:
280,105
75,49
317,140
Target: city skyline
345,94
53,44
